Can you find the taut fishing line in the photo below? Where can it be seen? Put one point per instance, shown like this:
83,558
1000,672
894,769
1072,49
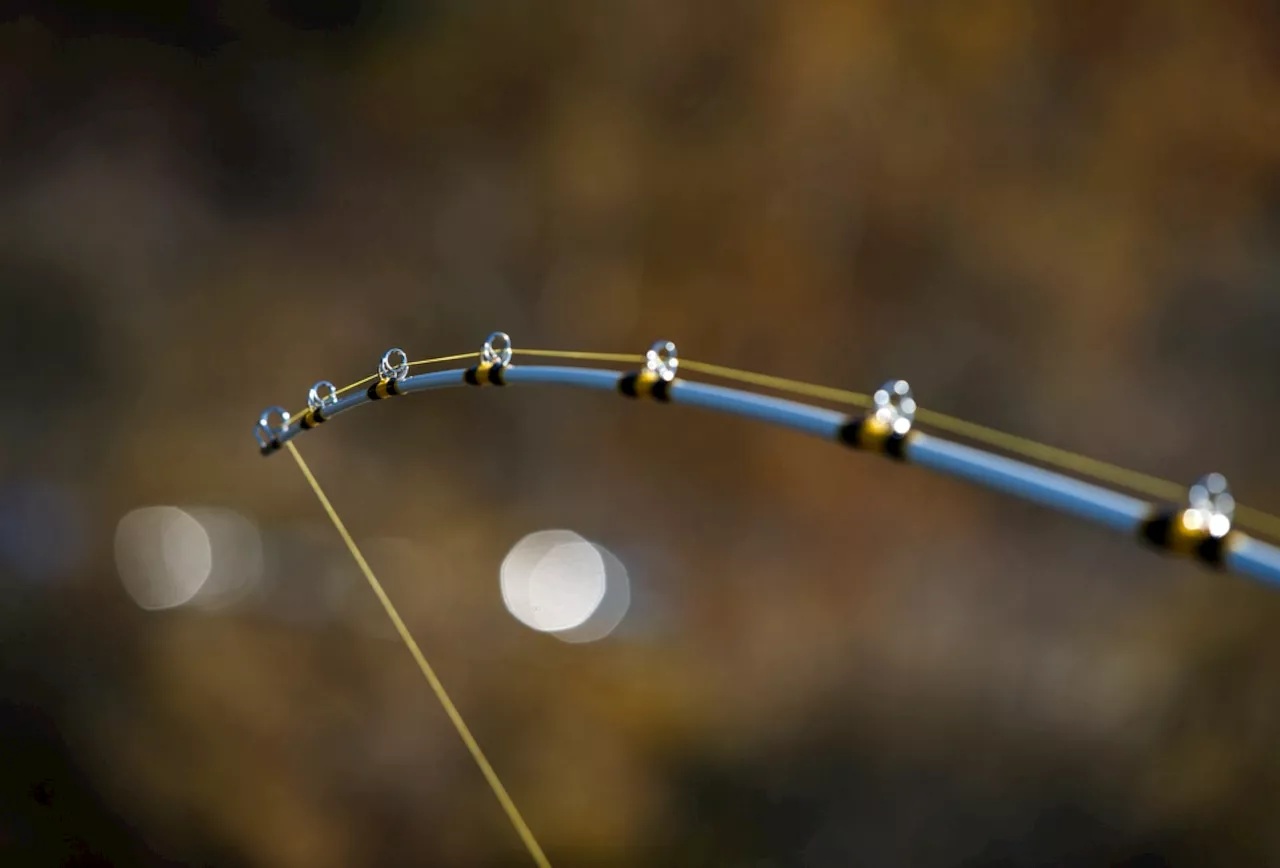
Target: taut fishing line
1199,522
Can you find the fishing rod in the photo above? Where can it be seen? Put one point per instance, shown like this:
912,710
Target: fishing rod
1202,527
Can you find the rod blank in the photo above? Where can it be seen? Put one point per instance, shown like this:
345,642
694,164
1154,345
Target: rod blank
1243,554
1082,499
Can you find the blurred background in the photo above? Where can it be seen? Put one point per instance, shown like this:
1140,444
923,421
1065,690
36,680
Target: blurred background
1059,219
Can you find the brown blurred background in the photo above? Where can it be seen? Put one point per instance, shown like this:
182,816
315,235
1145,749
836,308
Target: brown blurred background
1060,219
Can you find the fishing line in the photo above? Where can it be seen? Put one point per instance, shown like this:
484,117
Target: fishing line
394,378
1052,456
1203,528
508,806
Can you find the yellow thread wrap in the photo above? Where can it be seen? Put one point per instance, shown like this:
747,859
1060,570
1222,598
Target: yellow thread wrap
1051,456
874,434
1181,538
645,383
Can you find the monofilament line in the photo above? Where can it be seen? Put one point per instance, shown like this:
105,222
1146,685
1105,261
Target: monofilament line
513,814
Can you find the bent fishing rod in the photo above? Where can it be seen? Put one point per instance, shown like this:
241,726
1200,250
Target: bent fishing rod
1203,527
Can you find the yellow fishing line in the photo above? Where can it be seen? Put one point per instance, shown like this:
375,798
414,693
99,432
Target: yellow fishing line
583,355
1260,521
1131,479
1052,456
781,384
513,814
1063,459
369,379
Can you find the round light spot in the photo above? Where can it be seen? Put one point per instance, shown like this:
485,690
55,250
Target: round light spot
518,566
164,556
566,586
557,582
237,564
612,607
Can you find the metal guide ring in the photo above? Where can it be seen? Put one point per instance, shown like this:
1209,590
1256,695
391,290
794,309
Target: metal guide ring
394,365
662,359
265,432
1212,507
496,349
322,394
895,406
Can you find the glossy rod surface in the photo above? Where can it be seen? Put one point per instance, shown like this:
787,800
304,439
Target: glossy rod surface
1121,512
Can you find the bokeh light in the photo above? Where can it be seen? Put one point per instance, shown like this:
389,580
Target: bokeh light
557,582
164,556
1056,220
237,558
612,607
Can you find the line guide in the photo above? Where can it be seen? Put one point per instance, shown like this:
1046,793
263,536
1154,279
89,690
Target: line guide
1202,527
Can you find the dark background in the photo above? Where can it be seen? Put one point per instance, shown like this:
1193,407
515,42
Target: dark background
1059,219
